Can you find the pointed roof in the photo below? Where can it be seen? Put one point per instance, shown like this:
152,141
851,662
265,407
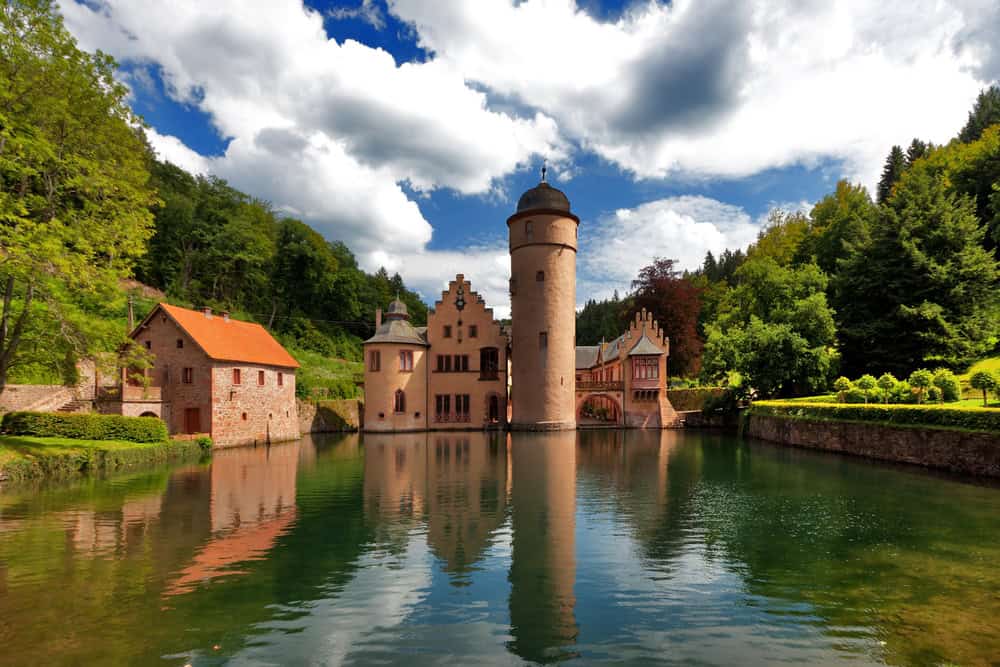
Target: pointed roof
645,346
396,328
226,339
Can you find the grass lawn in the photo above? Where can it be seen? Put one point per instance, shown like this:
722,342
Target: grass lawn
328,377
27,457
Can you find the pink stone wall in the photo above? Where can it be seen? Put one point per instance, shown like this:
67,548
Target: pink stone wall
250,412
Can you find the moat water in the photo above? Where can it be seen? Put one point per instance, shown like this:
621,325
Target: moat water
599,546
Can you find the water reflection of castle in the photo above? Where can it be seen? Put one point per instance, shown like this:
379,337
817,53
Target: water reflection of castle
467,486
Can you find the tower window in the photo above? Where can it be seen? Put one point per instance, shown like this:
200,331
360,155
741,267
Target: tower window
540,276
375,360
513,286
405,362
399,402
529,229
543,340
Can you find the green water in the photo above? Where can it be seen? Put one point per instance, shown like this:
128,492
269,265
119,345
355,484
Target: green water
603,546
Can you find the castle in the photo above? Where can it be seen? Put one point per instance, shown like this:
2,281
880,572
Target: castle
464,370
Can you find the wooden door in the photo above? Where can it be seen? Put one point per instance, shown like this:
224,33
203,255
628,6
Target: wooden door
192,420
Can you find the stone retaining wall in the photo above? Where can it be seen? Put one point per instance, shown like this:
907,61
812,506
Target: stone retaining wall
329,416
35,397
953,450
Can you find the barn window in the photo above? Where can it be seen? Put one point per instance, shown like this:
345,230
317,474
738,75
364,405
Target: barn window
180,343
399,402
149,344
237,377
260,378
187,376
281,379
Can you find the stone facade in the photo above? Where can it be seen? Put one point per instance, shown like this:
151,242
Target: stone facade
953,450
234,402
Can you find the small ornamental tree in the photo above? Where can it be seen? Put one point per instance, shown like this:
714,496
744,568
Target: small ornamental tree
842,385
866,383
984,382
946,381
920,380
887,383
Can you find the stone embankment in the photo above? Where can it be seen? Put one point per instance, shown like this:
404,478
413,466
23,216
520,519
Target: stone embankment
330,416
955,450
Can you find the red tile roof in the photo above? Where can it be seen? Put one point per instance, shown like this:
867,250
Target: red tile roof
228,339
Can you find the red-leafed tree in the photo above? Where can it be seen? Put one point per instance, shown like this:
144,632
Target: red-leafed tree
675,302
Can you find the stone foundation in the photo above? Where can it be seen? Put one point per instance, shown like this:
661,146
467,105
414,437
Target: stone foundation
329,416
956,451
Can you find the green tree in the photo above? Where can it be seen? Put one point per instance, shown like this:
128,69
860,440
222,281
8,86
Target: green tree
916,150
74,191
895,163
948,384
923,288
866,383
781,237
775,329
984,382
838,223
887,382
985,112
842,385
920,380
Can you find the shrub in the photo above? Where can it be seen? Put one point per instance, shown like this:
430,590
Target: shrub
204,442
85,426
934,395
920,380
902,393
855,395
887,383
948,384
866,383
974,419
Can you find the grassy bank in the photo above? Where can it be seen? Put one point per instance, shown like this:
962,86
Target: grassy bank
30,457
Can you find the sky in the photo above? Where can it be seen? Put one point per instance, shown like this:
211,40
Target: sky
409,128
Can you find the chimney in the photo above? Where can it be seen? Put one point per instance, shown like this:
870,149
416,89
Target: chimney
207,312
378,317
225,315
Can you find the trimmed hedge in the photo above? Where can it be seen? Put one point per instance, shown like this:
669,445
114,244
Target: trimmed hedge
685,400
85,426
973,419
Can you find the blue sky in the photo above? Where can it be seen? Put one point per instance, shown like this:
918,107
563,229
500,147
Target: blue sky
409,129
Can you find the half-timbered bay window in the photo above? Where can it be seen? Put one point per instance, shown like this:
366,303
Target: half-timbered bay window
645,368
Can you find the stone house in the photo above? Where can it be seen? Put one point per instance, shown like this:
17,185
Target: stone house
211,375
449,375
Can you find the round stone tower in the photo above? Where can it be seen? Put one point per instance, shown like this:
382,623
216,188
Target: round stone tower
543,235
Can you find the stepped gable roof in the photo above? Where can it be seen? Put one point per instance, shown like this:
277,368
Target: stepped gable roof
225,339
586,356
396,328
645,346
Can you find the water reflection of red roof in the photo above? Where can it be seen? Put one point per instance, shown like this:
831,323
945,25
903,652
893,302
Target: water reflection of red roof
219,556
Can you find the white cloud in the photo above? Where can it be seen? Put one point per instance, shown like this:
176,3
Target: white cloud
679,228
726,89
325,131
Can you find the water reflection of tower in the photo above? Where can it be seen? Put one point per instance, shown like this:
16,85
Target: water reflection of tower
543,563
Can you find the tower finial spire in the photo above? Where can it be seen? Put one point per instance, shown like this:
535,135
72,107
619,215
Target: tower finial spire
545,167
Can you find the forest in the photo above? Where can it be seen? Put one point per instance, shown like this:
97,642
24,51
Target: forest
857,285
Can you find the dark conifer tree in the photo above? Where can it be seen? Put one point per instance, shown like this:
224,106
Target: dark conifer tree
894,166
984,113
916,150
